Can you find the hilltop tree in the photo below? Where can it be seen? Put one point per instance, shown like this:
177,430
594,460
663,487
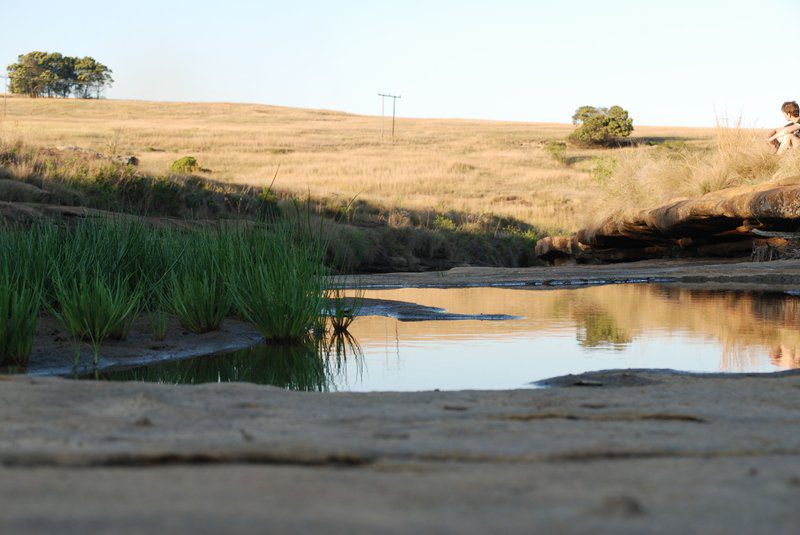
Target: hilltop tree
38,74
600,126
91,76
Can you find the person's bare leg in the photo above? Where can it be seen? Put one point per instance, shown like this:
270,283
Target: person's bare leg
786,143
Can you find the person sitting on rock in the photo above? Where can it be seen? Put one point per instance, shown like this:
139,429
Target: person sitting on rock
787,137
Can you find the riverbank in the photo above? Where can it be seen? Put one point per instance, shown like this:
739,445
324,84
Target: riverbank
633,451
53,349
739,274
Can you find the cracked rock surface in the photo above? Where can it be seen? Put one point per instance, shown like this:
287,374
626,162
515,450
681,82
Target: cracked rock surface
611,452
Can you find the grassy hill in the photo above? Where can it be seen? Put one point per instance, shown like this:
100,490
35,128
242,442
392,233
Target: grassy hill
449,171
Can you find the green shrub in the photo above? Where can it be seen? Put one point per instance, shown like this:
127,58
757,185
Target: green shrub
604,170
186,165
600,126
558,151
443,222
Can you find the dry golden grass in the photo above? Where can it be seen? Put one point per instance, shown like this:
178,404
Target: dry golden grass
644,177
474,167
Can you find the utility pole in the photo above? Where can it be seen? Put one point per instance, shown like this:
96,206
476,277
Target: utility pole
5,97
394,98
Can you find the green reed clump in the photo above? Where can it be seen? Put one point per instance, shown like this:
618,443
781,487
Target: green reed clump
197,292
277,280
28,254
96,275
201,301
91,308
342,310
134,249
19,314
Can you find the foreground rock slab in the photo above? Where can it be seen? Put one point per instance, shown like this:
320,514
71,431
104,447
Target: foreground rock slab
630,452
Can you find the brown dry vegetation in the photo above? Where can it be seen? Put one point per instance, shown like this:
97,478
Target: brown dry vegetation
466,167
645,177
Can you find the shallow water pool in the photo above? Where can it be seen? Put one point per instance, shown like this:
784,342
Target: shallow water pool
557,332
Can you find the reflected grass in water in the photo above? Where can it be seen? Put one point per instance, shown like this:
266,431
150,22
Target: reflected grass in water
309,366
292,367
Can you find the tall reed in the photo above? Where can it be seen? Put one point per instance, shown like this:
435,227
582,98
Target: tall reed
91,308
201,301
342,310
96,275
19,315
197,292
277,279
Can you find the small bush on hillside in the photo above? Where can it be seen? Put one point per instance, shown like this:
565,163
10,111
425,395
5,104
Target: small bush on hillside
185,165
600,126
558,150
442,222
604,170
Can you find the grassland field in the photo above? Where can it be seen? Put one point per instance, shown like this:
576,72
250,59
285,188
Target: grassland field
472,167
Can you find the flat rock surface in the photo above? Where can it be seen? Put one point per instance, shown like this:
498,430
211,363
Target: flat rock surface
614,452
684,271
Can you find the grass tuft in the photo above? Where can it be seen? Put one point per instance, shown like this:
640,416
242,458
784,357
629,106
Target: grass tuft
278,281
19,314
91,308
199,300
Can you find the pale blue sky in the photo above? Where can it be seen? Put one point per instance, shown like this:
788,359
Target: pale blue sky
668,63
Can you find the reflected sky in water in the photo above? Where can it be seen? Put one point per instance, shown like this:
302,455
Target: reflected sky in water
570,331
559,332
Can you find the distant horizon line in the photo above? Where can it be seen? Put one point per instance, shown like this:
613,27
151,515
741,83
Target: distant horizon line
399,117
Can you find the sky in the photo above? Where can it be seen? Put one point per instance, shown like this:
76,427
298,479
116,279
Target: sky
682,62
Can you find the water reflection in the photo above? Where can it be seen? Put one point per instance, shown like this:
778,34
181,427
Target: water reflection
312,366
597,329
560,332
572,331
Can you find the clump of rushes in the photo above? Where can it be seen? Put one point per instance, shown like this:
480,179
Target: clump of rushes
199,300
91,308
278,281
196,292
19,314
342,310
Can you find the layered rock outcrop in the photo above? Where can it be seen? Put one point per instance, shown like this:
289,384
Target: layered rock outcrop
750,220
